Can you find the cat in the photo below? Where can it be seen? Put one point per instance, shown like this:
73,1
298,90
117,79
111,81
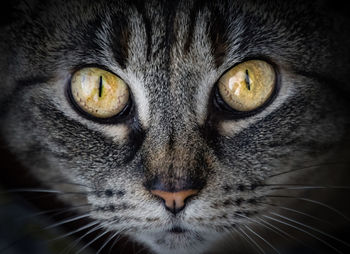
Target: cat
188,126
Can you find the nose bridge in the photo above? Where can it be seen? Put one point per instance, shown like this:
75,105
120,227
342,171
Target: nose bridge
171,126
172,113
171,140
176,164
176,161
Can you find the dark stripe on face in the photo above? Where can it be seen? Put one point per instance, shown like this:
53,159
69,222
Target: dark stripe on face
31,81
217,30
140,7
170,12
120,38
193,15
218,33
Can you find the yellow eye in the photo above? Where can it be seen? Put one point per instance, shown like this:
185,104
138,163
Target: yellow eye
248,85
99,92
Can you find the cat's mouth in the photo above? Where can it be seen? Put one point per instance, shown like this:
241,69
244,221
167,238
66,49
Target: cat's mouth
177,230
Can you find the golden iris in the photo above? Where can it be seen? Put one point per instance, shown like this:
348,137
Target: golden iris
248,85
99,92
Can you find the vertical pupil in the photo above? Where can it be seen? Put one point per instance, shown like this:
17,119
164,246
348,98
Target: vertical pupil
247,80
100,87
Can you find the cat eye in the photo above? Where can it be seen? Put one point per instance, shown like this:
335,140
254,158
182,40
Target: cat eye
98,93
248,85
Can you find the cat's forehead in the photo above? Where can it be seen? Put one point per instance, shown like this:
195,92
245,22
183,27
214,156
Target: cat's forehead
169,35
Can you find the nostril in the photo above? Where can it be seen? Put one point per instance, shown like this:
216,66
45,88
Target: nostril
174,201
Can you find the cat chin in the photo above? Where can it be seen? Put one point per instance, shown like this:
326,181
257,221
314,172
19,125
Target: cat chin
167,242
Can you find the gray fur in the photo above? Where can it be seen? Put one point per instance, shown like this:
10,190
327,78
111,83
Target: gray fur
172,89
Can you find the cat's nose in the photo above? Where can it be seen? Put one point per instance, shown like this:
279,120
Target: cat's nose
174,201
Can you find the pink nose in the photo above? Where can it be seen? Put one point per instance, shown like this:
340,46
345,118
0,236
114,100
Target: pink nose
174,201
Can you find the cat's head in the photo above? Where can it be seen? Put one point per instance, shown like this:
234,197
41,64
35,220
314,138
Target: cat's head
174,155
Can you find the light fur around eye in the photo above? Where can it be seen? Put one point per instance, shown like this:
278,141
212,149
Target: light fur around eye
99,92
248,85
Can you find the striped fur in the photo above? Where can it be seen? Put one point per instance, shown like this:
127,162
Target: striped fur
171,54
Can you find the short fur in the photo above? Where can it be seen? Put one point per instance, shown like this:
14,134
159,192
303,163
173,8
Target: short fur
171,54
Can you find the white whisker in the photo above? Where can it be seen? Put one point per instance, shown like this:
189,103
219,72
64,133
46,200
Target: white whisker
89,243
308,167
68,183
312,228
113,244
32,190
68,220
304,187
312,201
298,212
57,212
72,245
107,241
280,230
304,231
262,238
258,222
75,231
252,240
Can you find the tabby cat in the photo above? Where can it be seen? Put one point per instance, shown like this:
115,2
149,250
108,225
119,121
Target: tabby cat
188,126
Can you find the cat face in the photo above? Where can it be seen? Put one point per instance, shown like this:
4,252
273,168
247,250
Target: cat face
174,131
